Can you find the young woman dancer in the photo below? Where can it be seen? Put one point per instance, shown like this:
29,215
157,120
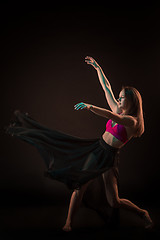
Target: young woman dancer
75,161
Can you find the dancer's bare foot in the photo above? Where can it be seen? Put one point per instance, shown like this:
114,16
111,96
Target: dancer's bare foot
67,228
148,220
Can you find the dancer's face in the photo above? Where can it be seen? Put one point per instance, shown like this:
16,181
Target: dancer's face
123,104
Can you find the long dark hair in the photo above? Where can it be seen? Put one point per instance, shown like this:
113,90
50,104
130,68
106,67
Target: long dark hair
136,109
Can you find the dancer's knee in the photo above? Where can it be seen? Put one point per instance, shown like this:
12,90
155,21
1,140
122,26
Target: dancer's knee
80,192
115,203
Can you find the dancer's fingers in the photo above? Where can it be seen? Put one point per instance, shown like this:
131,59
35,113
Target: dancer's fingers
77,104
87,57
79,107
82,106
87,60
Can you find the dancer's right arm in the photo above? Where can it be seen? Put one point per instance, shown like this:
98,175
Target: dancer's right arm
112,102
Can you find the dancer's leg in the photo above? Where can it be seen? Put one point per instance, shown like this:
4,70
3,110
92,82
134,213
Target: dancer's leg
111,190
75,202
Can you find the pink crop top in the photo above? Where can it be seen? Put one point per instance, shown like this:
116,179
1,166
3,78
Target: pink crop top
117,131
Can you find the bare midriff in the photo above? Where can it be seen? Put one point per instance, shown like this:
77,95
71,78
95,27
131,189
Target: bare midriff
111,140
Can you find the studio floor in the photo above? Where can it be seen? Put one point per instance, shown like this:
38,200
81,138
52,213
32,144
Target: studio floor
46,221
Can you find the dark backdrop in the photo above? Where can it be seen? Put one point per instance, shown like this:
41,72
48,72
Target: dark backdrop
43,73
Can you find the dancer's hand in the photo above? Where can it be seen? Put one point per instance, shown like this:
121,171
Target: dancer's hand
80,106
91,61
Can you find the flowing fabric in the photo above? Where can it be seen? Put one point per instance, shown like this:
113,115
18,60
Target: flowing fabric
69,159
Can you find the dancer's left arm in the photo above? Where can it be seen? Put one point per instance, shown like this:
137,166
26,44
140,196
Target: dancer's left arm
125,120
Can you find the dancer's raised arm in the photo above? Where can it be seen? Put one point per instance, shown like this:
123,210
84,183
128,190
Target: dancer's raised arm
112,102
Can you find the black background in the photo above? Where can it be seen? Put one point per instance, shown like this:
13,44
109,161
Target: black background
43,73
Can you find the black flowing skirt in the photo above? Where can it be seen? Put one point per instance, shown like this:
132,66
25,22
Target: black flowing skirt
69,159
